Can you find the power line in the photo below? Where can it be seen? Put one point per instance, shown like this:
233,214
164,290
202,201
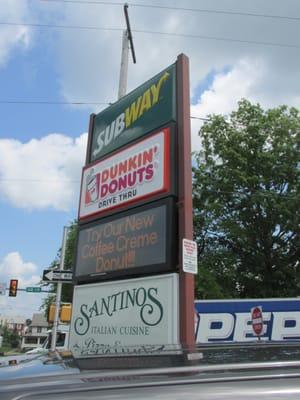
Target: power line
200,118
266,194
30,102
39,180
198,10
204,191
172,34
52,102
88,2
53,26
223,39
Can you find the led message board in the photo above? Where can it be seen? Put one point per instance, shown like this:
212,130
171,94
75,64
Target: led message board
146,108
135,242
133,174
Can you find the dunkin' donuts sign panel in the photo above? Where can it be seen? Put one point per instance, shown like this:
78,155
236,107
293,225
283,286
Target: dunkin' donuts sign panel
127,317
139,242
130,175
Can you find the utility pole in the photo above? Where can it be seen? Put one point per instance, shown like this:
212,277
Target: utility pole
127,42
59,287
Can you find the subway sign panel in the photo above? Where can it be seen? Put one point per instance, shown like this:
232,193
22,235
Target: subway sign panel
130,175
230,320
135,242
148,107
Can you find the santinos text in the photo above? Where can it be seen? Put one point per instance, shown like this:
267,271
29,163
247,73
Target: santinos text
144,299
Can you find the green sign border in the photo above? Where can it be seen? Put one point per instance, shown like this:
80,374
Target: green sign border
150,106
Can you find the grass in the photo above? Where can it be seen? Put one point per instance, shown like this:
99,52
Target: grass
7,350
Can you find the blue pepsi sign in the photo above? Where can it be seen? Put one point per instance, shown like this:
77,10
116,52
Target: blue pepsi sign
230,320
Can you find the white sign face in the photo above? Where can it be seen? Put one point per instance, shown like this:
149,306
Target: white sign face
132,174
2,288
128,317
189,256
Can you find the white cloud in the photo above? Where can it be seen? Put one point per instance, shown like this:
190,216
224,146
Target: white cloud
11,37
228,88
247,78
42,173
12,266
89,60
241,81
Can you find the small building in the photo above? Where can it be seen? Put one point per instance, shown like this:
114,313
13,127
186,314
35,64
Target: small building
36,333
13,323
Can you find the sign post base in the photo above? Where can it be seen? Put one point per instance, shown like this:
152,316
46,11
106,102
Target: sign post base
137,362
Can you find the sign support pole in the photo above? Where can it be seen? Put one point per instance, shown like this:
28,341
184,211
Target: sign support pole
124,66
185,203
127,39
59,287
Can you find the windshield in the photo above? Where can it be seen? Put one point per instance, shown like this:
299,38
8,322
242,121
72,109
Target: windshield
60,340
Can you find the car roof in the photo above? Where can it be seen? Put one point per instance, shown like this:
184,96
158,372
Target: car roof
50,377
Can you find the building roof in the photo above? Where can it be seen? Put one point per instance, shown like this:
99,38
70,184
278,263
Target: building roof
39,320
12,319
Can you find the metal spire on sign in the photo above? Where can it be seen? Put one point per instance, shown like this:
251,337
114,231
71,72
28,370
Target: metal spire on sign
129,35
127,40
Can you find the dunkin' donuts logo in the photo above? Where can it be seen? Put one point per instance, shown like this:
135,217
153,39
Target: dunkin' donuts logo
92,187
135,172
127,174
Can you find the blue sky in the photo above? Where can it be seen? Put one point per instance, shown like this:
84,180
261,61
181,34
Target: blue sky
42,147
31,75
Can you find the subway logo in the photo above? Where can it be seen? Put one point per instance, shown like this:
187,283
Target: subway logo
146,108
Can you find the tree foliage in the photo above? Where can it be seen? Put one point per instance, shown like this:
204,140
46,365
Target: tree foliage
246,204
11,338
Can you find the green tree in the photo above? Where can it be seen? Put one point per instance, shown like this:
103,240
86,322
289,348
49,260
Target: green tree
11,338
67,289
246,204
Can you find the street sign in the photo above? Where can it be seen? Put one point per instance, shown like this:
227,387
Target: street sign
49,275
189,256
2,288
257,320
33,289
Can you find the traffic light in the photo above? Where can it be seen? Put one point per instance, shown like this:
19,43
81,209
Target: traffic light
13,287
65,312
51,313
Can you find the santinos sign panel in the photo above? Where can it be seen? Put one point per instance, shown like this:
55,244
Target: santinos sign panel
135,243
128,317
132,174
148,107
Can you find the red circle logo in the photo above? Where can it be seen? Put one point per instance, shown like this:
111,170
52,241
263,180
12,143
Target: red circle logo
257,320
